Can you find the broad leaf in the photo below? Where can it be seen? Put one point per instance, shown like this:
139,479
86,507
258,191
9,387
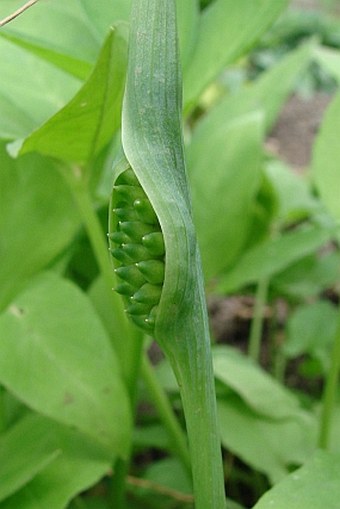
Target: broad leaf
62,27
169,472
30,91
56,357
269,446
225,176
76,67
260,391
311,330
188,19
259,94
309,277
329,59
69,34
87,123
78,465
314,486
326,159
294,195
227,30
37,219
25,450
273,256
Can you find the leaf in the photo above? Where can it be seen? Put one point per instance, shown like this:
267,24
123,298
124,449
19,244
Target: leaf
51,332
259,390
74,66
274,255
295,198
309,277
78,465
314,486
30,91
225,175
311,330
69,35
37,219
227,30
170,473
267,446
110,11
329,59
188,18
267,94
86,124
62,27
24,452
326,159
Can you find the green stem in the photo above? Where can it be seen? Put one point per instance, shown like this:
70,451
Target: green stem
280,362
257,322
3,420
74,177
128,346
177,437
330,392
198,397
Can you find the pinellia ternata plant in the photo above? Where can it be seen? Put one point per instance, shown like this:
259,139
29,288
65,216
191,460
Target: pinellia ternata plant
152,235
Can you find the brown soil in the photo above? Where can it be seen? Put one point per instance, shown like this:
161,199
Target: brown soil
293,135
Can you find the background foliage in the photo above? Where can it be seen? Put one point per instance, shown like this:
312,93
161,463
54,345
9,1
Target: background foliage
266,231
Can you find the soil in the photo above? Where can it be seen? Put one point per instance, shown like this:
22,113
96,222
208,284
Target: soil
293,135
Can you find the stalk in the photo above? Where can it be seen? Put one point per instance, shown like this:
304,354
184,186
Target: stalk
128,347
199,403
3,420
153,145
330,393
77,182
257,321
178,442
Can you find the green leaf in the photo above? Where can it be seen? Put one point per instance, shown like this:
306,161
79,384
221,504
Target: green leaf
227,30
267,94
314,486
268,446
329,59
326,159
295,198
115,10
76,67
30,91
87,123
51,332
225,175
62,27
110,12
69,35
260,391
25,450
37,219
309,277
188,27
311,330
78,465
335,430
274,255
169,472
